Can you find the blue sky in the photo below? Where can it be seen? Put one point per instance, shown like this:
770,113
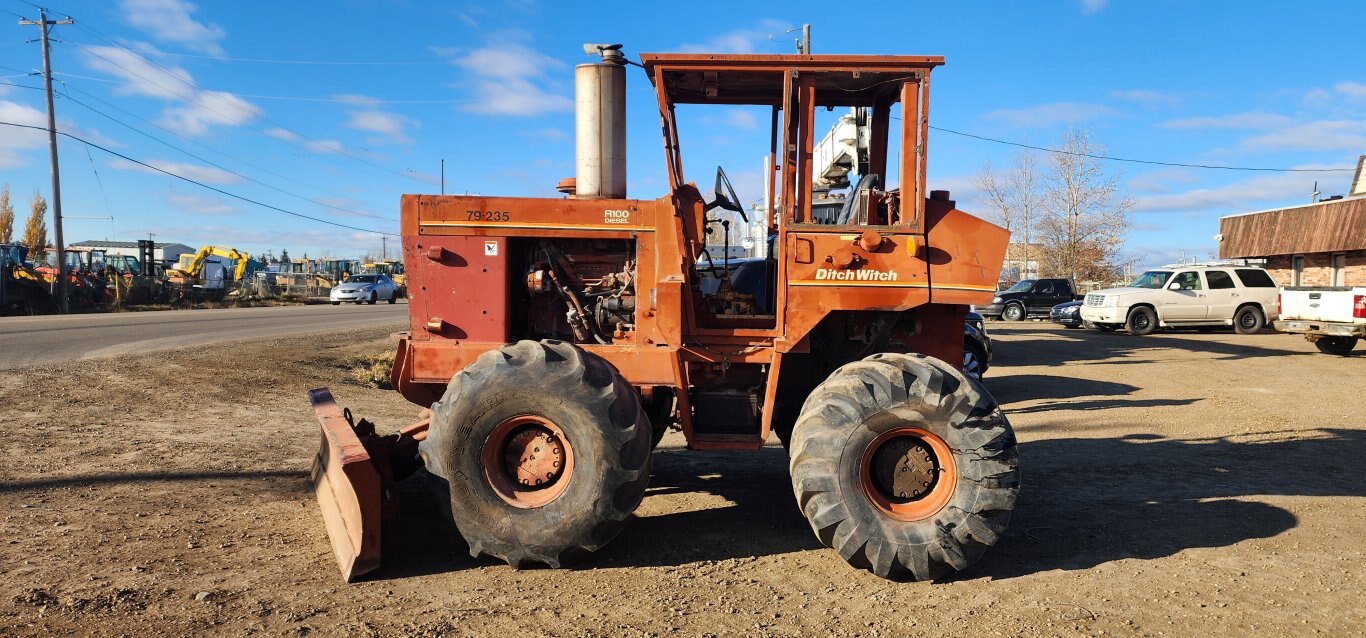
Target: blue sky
328,131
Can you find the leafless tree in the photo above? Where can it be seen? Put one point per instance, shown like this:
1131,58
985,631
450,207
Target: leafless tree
1016,199
1085,216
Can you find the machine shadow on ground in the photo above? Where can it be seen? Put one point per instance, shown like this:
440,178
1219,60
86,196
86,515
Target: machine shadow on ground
1086,502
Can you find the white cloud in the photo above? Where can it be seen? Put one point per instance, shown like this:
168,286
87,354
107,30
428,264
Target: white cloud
741,119
509,78
389,125
282,134
745,40
191,110
1323,135
324,146
206,174
1147,97
1089,7
1263,191
16,139
353,98
170,21
1045,115
196,205
1238,121
316,146
1351,89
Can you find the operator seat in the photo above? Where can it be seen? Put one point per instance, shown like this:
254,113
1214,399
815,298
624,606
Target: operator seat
858,200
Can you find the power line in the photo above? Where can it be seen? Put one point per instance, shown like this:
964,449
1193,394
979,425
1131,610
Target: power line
203,185
1139,161
223,58
214,164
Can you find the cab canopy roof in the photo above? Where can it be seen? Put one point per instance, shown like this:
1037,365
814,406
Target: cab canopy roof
840,80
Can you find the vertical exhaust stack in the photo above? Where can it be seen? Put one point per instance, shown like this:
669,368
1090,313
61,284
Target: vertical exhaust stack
600,124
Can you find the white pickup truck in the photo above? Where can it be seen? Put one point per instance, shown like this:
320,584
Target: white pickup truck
1333,318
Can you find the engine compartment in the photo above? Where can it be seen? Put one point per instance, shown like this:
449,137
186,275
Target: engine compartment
579,290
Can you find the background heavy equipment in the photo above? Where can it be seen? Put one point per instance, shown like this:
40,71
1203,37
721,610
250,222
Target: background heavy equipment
127,279
554,341
190,278
22,289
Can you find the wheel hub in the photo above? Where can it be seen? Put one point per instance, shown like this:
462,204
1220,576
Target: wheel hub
908,473
535,457
527,461
904,469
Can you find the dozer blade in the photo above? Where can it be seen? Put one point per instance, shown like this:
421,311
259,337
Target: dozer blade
348,489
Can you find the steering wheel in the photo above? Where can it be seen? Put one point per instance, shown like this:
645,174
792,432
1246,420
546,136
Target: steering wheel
727,200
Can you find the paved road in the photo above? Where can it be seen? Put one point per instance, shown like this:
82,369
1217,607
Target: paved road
28,341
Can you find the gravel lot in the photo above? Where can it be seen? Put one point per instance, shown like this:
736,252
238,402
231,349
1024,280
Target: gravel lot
1178,484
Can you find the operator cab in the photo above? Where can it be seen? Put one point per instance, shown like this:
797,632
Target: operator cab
836,158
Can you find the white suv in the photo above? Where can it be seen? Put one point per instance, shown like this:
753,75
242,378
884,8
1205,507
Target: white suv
1210,295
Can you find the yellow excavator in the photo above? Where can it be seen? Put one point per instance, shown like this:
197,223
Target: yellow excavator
187,278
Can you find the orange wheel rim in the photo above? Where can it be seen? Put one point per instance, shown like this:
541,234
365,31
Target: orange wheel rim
527,461
908,473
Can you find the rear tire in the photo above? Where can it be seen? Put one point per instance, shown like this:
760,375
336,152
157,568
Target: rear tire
1142,321
1248,320
1340,346
336,303
1013,312
393,298
495,418
858,431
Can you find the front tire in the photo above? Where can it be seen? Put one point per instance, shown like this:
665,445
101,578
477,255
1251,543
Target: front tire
336,303
1340,346
1248,320
1142,321
904,466
1013,312
546,450
374,296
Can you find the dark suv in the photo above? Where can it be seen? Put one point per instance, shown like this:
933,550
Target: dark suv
1030,297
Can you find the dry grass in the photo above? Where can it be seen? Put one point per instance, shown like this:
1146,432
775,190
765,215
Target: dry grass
373,370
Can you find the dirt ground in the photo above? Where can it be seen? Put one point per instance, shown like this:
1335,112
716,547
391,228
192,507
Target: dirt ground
1180,484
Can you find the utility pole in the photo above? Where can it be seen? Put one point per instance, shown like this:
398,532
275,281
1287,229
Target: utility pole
383,248
806,39
43,23
443,176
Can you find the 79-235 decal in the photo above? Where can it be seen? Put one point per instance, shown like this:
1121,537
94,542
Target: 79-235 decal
488,216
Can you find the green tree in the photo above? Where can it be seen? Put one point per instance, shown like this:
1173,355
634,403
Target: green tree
35,231
284,255
6,217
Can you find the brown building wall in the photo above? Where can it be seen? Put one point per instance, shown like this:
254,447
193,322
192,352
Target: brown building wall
1318,269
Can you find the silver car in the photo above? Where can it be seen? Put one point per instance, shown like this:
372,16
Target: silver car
361,288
